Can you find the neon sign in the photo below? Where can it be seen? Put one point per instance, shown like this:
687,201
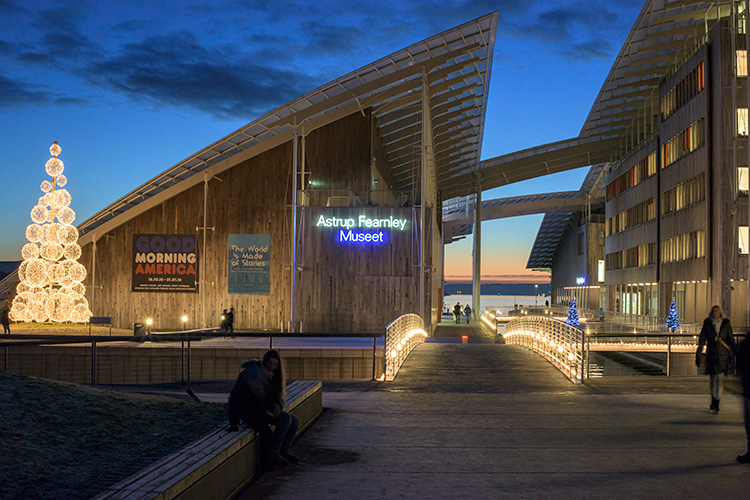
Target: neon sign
581,280
357,237
347,232
362,221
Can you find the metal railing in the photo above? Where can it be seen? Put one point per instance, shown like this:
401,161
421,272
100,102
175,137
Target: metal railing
561,344
655,342
653,323
8,342
401,336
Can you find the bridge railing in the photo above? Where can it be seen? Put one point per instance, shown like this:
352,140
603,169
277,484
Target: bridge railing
401,336
558,342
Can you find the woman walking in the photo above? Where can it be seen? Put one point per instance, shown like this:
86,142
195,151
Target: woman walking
716,335
258,399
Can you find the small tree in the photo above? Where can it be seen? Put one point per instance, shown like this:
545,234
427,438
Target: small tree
672,320
572,314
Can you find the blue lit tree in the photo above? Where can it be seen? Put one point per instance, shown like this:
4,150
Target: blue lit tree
572,314
672,321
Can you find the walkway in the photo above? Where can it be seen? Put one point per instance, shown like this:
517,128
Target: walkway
496,421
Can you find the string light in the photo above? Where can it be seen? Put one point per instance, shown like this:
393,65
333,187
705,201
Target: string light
51,287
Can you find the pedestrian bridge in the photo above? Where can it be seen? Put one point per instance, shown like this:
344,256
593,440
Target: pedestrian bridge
492,420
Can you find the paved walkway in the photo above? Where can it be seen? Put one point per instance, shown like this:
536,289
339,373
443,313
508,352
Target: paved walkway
489,420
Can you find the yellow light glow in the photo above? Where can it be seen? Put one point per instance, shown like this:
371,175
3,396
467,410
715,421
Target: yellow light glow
51,288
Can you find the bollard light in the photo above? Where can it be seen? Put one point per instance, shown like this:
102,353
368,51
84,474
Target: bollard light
184,321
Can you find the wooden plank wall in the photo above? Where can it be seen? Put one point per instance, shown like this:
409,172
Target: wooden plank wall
251,198
358,293
357,287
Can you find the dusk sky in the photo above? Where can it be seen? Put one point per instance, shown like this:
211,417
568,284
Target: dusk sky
130,88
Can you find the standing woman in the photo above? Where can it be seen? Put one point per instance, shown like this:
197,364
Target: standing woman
716,336
258,399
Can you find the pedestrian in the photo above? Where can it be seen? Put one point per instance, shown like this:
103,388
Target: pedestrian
5,319
716,335
457,312
230,320
223,321
257,398
743,367
467,312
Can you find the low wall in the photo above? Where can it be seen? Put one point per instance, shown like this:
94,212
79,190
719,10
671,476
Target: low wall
144,364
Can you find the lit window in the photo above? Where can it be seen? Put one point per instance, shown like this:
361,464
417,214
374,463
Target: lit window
741,63
742,179
741,121
600,273
743,234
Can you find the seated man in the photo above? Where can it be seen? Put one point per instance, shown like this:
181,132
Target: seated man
258,398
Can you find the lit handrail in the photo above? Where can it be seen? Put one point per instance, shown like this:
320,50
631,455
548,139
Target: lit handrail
401,336
558,342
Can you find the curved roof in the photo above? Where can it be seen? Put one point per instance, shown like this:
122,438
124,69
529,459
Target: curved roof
457,66
663,35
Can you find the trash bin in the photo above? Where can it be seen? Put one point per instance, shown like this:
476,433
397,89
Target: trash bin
139,329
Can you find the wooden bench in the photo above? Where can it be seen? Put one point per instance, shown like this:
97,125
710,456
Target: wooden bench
100,320
218,465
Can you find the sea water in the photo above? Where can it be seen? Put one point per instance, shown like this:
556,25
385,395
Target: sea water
502,303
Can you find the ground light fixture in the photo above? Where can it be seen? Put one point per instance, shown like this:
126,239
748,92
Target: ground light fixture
149,322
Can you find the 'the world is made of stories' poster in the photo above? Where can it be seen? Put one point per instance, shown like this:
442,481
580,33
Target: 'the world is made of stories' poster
165,263
250,264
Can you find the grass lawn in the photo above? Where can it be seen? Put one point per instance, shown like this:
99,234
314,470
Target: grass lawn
68,441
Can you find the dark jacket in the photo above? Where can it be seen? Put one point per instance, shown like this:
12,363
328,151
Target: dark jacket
4,317
743,365
719,346
253,399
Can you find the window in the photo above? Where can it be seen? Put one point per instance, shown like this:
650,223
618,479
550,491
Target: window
683,247
742,121
742,179
600,272
686,142
741,63
743,235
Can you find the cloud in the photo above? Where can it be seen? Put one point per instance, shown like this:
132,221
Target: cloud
177,70
592,49
13,93
577,32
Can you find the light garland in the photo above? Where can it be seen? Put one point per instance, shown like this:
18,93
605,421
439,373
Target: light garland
51,287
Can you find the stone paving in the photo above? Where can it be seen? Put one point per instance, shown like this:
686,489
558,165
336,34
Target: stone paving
489,420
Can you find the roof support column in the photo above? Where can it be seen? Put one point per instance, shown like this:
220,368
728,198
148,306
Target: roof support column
425,310
204,256
476,271
295,167
93,273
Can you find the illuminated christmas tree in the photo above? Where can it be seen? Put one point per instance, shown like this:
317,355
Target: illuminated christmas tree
672,321
572,314
51,287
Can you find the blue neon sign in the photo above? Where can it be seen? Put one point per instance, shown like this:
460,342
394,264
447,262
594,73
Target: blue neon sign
350,236
360,229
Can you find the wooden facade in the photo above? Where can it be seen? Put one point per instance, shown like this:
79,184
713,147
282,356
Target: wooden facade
339,289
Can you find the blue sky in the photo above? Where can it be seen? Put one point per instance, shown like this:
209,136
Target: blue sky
130,88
